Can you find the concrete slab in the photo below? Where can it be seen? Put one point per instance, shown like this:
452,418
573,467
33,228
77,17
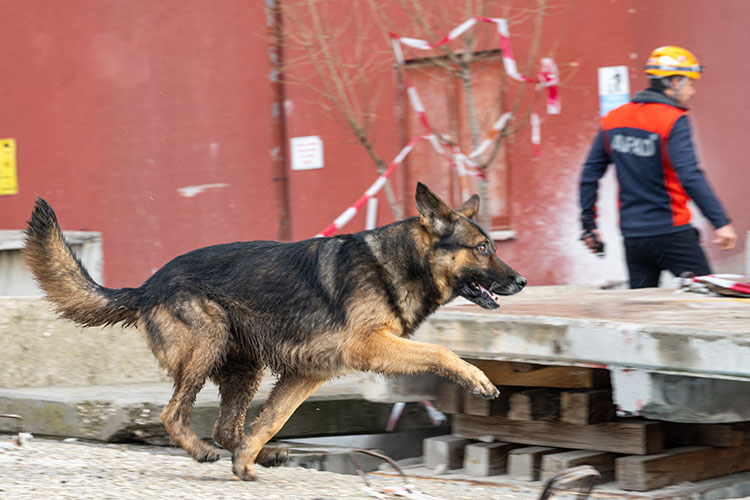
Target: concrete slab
673,356
654,329
124,413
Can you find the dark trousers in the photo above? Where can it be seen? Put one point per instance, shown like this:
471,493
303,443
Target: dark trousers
677,253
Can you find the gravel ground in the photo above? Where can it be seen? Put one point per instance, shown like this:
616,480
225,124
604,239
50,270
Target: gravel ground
46,469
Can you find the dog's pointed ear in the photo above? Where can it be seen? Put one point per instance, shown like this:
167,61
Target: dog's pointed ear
434,214
469,208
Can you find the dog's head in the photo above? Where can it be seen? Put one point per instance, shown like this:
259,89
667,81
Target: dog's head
463,258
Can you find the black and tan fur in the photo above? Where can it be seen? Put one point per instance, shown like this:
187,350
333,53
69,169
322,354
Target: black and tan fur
309,311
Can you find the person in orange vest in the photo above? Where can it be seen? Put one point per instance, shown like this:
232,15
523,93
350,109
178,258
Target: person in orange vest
649,141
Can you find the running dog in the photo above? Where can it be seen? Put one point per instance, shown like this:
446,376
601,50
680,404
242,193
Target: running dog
309,311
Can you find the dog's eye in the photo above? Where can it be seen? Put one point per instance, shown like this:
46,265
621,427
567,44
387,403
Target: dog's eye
483,249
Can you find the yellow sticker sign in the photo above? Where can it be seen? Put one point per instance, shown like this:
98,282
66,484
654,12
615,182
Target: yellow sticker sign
8,178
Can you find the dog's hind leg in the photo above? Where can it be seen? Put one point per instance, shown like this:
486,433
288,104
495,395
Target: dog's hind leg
189,340
288,393
238,384
176,415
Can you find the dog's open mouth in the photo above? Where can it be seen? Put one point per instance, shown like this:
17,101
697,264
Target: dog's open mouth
479,295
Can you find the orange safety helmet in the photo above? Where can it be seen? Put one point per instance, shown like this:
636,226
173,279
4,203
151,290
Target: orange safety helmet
673,61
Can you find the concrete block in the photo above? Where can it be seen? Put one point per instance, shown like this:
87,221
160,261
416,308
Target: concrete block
445,450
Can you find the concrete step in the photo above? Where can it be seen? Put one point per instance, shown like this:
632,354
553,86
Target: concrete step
123,413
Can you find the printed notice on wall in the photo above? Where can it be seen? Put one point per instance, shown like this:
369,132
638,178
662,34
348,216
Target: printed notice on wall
307,152
8,179
614,88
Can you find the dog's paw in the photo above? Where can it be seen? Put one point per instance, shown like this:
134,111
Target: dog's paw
272,456
481,386
487,393
207,454
245,472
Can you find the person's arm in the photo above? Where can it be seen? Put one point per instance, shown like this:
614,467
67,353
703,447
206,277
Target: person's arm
593,169
685,162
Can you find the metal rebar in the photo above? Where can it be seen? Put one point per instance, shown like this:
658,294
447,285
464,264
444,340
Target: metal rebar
584,473
19,420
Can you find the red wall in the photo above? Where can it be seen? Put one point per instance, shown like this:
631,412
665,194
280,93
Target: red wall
116,105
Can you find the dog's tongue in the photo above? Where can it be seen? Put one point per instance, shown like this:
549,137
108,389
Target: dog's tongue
487,292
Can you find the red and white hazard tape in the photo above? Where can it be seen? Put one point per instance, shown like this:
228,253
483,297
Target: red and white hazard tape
350,212
464,163
536,135
458,159
548,75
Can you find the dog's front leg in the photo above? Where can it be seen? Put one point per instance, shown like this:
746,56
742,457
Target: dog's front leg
386,353
288,393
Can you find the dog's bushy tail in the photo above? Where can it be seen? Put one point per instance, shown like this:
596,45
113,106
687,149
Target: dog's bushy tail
66,283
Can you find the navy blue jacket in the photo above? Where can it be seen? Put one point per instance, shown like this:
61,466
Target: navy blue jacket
649,141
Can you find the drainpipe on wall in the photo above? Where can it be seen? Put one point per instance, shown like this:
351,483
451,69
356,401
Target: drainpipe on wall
278,140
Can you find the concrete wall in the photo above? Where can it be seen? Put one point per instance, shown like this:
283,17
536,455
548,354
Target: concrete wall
39,350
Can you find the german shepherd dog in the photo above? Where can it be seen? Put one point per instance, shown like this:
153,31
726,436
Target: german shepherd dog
309,311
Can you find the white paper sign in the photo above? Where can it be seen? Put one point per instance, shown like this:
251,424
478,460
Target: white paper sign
307,152
614,88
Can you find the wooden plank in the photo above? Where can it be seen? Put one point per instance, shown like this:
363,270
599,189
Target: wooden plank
718,435
525,463
587,406
480,406
603,462
534,404
689,463
635,437
486,459
533,375
446,450
449,397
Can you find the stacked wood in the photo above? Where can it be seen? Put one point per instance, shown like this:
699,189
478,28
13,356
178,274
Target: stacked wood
633,437
479,406
566,416
603,462
533,375
719,435
449,398
486,459
534,404
525,463
587,406
689,463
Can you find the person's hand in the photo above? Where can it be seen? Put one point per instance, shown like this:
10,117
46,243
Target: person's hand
591,242
725,237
